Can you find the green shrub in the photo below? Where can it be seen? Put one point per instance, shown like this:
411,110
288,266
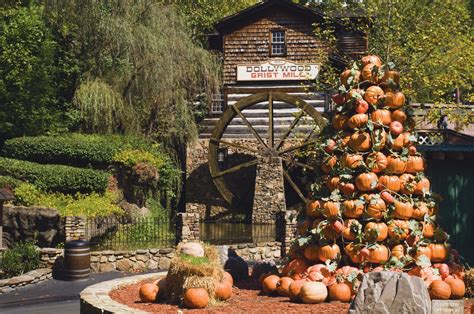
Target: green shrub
7,181
21,258
55,178
132,157
72,149
91,205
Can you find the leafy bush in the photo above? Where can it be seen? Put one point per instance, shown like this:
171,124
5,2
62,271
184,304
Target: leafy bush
21,258
55,178
91,205
73,149
7,181
133,157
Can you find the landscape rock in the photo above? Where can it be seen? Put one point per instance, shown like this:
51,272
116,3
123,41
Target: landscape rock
263,267
237,267
223,252
192,249
391,292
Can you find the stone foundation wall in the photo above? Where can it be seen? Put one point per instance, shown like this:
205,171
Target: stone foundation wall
258,251
131,261
48,256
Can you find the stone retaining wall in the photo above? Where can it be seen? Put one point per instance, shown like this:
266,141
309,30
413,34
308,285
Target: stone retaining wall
48,256
29,278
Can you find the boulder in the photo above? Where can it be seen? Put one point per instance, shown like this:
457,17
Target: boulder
192,249
223,252
263,267
391,292
36,224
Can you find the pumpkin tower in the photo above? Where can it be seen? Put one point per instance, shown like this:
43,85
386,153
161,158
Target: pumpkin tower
371,208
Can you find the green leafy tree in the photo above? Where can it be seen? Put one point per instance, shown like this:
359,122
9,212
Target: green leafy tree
33,89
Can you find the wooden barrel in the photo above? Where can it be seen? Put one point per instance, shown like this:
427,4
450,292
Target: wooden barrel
77,260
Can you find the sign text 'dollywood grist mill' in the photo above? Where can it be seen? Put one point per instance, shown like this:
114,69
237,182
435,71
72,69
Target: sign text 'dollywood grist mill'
278,70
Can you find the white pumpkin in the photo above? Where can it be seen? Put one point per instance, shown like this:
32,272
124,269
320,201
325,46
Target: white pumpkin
192,249
313,292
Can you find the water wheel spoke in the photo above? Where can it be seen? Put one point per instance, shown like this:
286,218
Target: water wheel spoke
254,132
236,168
294,186
300,164
270,120
292,148
234,145
292,126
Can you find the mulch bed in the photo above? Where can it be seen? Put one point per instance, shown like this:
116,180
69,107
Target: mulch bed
246,298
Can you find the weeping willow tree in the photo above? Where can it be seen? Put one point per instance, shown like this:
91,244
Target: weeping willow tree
142,70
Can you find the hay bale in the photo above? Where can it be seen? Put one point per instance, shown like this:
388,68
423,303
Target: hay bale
185,273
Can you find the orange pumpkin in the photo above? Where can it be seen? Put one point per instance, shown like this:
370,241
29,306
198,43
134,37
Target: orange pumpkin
428,230
333,183
345,77
458,288
283,286
394,100
398,229
366,181
354,253
387,182
390,75
295,289
196,298
328,252
403,210
328,164
148,292
303,226
331,209
379,229
350,226
399,115
423,250
313,209
376,206
439,252
339,122
357,121
377,162
347,188
439,290
415,164
381,116
422,187
407,183
311,253
228,277
344,140
398,142
313,292
351,161
396,165
360,141
223,290
378,254
373,94
340,292
398,251
352,209
369,73
295,269
420,210
371,59
270,283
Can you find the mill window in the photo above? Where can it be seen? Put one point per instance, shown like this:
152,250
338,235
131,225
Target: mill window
278,43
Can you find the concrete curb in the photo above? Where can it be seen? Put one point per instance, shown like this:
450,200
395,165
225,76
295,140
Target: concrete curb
95,298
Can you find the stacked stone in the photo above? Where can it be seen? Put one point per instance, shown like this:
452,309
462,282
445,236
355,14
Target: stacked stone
74,228
372,204
187,227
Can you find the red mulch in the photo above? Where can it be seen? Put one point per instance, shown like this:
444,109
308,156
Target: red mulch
246,298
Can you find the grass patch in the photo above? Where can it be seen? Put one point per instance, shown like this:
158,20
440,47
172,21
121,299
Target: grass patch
195,260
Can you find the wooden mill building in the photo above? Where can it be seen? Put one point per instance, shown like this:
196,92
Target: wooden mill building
272,46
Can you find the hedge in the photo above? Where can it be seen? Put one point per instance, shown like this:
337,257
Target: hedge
7,181
72,149
55,178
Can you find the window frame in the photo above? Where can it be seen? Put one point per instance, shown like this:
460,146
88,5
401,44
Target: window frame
284,43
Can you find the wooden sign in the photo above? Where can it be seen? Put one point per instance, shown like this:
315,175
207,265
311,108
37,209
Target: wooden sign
277,70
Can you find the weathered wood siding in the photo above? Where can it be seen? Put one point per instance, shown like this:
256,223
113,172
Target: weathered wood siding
251,43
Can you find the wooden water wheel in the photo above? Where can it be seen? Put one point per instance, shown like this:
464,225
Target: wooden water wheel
271,145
